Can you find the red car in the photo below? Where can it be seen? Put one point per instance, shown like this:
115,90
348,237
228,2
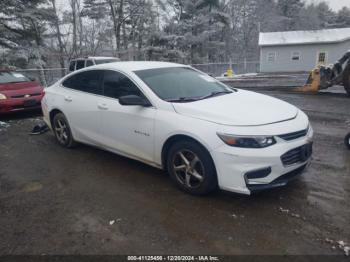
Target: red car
18,93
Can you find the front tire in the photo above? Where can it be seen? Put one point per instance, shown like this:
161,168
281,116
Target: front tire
191,167
347,141
62,131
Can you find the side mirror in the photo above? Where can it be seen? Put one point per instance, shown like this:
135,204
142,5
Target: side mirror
133,100
32,78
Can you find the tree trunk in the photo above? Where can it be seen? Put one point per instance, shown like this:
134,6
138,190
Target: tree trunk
132,37
59,38
38,42
120,22
115,23
74,24
80,21
118,36
139,42
125,37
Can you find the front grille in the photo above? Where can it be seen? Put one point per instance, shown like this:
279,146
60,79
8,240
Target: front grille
294,135
29,105
22,96
297,155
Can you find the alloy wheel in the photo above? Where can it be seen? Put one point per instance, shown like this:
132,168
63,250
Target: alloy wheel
188,169
61,131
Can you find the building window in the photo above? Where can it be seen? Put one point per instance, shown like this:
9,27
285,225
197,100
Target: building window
322,58
271,57
296,56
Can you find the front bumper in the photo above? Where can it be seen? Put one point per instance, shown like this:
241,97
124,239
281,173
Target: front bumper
264,165
278,182
22,104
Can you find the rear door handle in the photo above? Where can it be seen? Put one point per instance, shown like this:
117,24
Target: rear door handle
68,99
102,106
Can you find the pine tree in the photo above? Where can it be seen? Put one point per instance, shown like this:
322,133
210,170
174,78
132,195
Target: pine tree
343,17
326,15
22,22
290,9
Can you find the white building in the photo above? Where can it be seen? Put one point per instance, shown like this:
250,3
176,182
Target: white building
302,50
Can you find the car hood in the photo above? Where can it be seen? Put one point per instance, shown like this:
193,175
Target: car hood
18,85
241,108
21,88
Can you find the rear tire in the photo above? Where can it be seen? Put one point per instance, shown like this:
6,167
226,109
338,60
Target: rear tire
62,131
347,141
346,79
191,168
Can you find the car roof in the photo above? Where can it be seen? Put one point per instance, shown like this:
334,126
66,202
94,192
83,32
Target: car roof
132,66
102,57
94,57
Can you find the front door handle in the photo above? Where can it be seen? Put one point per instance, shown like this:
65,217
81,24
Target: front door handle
68,99
102,106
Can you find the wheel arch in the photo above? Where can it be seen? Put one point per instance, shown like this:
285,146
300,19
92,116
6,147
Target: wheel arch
52,114
180,137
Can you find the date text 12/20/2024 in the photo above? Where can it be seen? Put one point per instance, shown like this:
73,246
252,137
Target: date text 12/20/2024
173,258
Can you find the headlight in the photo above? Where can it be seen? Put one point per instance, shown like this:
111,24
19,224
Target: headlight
2,97
248,141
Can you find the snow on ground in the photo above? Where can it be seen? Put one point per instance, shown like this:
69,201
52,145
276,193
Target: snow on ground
3,125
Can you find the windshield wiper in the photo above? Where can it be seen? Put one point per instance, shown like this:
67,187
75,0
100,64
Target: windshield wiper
192,99
182,100
216,93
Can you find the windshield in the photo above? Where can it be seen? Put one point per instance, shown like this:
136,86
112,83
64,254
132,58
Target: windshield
181,83
104,61
12,77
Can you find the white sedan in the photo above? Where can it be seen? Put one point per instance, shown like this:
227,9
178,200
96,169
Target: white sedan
171,116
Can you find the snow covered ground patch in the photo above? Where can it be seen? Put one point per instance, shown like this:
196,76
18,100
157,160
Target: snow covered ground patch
3,125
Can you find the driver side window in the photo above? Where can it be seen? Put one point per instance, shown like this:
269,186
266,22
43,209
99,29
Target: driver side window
116,85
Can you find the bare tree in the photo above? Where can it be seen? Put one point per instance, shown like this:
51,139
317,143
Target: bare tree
56,22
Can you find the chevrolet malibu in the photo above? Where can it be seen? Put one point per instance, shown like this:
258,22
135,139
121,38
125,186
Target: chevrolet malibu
171,116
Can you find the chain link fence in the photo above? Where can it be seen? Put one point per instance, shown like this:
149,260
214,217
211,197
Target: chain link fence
219,69
46,76
49,76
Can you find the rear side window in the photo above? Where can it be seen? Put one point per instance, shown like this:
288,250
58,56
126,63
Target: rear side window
72,66
89,63
80,64
116,85
87,81
105,61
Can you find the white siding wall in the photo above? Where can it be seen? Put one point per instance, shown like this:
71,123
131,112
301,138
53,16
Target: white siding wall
308,56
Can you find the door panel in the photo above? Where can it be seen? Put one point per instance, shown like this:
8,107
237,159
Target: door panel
80,102
84,116
126,129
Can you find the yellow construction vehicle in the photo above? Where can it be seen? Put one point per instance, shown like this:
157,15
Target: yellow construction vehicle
347,141
324,77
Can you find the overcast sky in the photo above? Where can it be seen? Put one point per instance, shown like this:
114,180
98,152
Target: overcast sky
334,4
